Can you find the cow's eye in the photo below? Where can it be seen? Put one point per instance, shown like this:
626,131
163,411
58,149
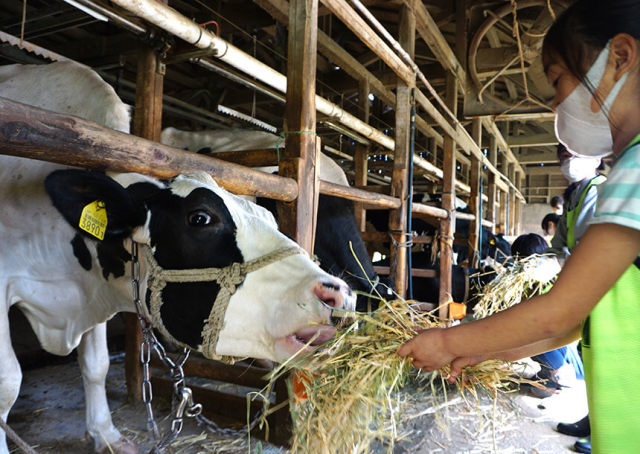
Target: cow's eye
199,218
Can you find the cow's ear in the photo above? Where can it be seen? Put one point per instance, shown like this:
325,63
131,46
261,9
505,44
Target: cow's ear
74,192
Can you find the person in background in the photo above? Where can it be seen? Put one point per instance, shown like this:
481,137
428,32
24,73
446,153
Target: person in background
591,56
549,225
552,361
582,174
557,204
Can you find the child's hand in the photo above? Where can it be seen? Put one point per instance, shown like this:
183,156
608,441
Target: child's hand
428,350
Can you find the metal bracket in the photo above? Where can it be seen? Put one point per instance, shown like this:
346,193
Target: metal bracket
176,58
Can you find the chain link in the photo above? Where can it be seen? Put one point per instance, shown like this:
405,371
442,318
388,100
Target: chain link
183,403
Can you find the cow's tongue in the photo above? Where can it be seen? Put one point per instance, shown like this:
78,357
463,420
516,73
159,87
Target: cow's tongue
319,334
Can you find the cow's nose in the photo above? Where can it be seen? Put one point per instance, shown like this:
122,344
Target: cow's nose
334,294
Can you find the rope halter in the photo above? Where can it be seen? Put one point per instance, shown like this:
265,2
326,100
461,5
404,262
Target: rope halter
228,278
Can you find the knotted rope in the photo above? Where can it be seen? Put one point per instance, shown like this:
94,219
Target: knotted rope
228,278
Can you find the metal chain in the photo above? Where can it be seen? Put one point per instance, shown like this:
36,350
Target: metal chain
183,403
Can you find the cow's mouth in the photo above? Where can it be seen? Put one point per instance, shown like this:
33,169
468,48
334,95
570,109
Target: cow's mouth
311,337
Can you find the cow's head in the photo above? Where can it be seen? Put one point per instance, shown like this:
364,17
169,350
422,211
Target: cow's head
192,223
498,249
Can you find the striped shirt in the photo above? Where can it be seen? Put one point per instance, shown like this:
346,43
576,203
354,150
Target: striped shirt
619,196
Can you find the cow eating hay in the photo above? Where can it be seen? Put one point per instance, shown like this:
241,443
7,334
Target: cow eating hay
69,284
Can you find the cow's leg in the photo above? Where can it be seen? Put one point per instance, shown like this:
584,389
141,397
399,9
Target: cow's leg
93,356
10,376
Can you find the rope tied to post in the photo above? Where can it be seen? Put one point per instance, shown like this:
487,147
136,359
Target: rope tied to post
288,133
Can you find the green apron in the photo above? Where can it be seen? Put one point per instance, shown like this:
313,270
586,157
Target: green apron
611,356
572,215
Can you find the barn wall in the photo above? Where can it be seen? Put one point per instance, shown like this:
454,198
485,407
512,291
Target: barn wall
532,215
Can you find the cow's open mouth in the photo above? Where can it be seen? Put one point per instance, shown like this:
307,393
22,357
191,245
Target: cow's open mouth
311,337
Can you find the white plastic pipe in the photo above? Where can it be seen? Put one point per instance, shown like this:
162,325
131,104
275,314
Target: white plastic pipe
175,23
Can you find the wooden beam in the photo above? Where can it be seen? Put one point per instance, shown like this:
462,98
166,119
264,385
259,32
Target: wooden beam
300,157
431,34
492,128
543,170
538,140
546,157
380,201
362,153
370,38
385,271
447,226
492,189
147,123
25,131
475,203
400,184
512,200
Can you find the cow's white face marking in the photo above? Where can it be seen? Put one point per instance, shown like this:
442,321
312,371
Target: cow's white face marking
274,302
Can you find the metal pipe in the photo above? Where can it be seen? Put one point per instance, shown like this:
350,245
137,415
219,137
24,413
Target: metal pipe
239,78
113,16
167,99
179,112
403,54
170,20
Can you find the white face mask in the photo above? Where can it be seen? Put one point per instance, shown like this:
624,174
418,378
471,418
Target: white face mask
586,133
577,169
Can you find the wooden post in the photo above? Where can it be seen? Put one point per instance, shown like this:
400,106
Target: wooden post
492,189
504,196
300,158
147,123
400,184
475,199
362,153
447,226
297,218
512,200
517,217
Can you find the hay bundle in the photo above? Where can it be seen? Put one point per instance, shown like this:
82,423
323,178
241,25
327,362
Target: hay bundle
528,277
347,394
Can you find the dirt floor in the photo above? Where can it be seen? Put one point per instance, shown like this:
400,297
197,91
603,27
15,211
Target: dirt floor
49,415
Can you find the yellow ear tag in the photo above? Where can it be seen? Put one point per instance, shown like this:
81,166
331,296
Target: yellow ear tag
94,219
492,242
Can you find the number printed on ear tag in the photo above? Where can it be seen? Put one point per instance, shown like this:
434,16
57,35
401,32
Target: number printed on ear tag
94,219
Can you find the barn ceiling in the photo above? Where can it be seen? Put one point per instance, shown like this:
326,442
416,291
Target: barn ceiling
496,42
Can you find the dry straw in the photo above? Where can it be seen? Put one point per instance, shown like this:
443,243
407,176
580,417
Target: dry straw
347,395
528,277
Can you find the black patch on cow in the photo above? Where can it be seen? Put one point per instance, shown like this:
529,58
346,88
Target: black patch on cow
113,258
81,252
179,244
71,190
337,228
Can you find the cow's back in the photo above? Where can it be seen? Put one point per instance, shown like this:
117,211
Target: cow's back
40,254
68,88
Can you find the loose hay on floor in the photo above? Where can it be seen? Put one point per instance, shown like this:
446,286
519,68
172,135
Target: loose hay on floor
346,396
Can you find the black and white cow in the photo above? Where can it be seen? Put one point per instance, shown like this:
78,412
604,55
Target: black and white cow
336,225
69,284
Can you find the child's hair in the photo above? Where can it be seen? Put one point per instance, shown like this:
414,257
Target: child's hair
528,244
557,201
551,217
585,28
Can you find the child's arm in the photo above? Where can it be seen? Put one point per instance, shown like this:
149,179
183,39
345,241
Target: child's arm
517,353
603,255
